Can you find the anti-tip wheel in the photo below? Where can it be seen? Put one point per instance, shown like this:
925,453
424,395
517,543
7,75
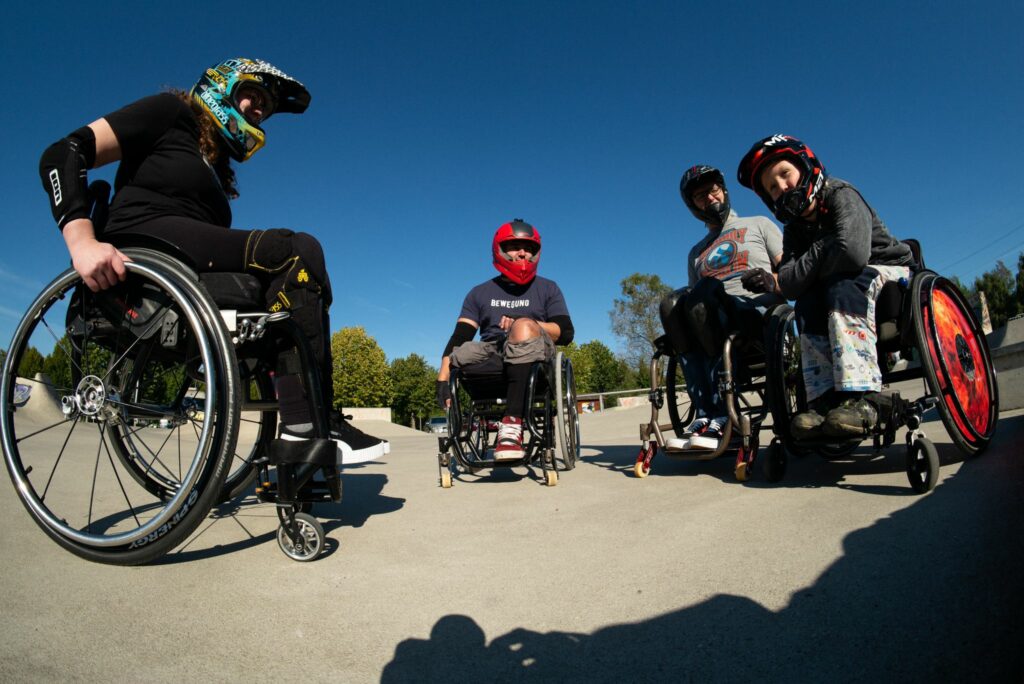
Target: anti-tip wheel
446,478
550,478
922,465
311,543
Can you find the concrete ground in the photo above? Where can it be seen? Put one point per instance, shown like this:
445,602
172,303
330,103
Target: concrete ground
837,573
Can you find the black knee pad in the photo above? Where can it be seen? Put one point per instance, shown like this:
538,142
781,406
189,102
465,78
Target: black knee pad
269,251
707,308
673,320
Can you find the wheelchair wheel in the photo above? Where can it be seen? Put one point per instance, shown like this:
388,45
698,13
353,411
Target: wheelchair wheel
567,420
956,361
61,446
680,410
311,539
785,385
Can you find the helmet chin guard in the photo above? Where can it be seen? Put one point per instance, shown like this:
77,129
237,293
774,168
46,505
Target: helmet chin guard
519,272
217,93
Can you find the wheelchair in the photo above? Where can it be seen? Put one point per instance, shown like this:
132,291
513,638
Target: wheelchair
157,404
742,384
551,426
928,323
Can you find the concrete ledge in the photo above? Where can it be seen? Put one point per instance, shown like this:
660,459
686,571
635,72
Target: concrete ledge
383,414
1007,347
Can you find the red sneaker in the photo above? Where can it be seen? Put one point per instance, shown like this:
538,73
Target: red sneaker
510,440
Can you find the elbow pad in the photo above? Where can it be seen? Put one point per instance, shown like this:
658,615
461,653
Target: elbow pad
564,324
62,168
463,333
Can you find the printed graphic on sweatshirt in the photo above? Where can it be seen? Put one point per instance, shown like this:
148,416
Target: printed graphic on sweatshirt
725,255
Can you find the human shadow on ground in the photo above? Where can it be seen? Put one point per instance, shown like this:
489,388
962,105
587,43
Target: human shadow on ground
926,594
361,498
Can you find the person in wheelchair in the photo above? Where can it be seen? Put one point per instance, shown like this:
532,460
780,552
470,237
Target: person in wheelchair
837,255
730,270
173,188
520,316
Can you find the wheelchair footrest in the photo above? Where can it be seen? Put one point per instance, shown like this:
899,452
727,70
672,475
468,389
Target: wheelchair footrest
315,451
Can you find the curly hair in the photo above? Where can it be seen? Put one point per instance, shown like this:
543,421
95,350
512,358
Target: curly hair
210,145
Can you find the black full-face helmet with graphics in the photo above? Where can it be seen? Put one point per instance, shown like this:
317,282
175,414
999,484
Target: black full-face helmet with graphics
715,213
218,89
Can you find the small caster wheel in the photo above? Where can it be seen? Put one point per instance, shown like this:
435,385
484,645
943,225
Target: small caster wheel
775,462
311,541
742,471
550,478
641,469
922,465
446,479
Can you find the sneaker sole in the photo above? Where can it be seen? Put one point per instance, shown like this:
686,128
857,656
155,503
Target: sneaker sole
349,456
509,455
699,442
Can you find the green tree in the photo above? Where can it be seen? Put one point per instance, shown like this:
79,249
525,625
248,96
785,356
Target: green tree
634,317
998,286
361,373
31,363
413,380
597,369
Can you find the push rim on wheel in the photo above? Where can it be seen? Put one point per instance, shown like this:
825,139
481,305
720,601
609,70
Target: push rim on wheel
681,411
956,356
69,507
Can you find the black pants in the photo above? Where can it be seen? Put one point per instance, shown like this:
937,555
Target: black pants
289,265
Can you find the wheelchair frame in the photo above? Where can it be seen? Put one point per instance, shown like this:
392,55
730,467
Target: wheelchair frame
744,417
182,501
550,418
953,360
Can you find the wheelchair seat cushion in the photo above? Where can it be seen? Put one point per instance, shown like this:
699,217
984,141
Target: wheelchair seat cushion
234,290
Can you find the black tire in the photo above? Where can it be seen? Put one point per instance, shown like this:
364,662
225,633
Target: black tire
775,461
567,420
956,361
241,470
680,410
785,393
922,465
313,535
122,524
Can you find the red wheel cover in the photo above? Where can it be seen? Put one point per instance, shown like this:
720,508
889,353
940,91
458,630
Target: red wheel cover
954,346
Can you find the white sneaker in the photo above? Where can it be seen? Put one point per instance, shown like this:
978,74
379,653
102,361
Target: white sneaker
697,425
677,443
711,436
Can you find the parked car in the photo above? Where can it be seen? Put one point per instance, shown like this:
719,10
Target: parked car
437,426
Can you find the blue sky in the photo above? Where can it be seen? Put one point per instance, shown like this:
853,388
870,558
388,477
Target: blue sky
433,123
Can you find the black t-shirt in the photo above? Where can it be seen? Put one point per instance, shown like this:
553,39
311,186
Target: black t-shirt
162,172
540,299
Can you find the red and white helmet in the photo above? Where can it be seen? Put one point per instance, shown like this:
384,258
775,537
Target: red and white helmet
521,272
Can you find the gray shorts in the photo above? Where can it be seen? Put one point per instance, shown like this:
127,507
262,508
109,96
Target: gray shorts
475,353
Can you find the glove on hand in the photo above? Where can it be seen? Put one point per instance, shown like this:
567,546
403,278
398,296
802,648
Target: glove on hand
444,393
758,280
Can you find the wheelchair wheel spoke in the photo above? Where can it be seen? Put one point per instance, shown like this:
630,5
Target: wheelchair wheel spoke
117,476
156,458
48,427
60,346
95,472
56,463
156,319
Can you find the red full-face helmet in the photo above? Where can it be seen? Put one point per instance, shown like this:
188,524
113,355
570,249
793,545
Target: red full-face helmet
521,272
792,203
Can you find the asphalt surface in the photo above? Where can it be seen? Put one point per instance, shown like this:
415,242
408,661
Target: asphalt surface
837,573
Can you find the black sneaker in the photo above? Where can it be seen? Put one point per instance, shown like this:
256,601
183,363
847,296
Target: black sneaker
354,445
855,417
806,425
